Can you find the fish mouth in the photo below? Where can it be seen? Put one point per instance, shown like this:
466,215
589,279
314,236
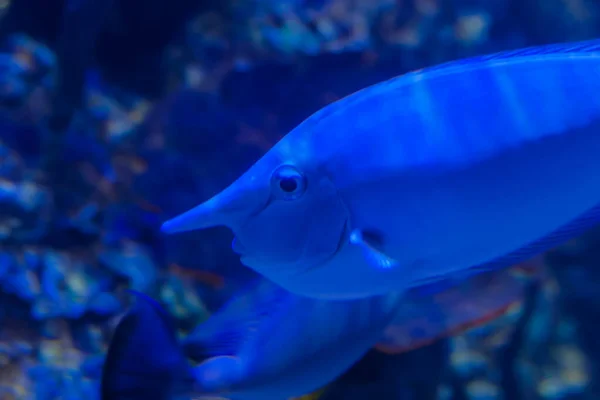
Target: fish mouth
246,258
237,246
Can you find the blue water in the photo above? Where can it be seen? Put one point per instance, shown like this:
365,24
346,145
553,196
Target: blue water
116,115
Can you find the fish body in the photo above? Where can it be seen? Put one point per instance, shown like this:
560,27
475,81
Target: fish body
285,345
468,166
269,343
266,343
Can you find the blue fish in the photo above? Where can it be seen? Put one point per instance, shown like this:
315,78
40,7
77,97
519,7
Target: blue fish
265,343
144,359
269,343
469,166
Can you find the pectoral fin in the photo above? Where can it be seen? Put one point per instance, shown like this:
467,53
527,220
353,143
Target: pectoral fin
371,254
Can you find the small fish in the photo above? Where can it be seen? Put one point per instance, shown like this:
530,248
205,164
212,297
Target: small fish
144,359
469,166
265,343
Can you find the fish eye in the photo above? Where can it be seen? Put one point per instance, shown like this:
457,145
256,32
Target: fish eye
288,182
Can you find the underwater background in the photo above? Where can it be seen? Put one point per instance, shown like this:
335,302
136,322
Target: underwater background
116,115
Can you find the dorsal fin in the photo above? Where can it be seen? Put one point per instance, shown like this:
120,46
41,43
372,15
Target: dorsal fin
589,46
582,47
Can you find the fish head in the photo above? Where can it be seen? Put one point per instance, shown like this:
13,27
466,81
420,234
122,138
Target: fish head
285,213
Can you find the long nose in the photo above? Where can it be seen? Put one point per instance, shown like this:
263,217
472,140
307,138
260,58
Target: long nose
200,217
228,208
213,212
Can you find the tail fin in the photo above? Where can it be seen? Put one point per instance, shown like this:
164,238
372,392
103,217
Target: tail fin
144,359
